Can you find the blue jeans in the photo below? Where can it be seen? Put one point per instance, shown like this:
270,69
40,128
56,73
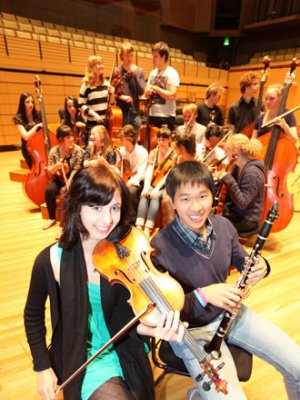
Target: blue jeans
133,119
258,336
148,208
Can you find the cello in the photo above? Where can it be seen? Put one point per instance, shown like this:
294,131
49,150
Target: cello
280,156
39,145
264,76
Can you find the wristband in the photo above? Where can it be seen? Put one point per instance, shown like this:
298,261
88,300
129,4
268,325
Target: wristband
201,297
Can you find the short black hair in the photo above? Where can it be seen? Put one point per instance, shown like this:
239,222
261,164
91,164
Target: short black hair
192,172
213,130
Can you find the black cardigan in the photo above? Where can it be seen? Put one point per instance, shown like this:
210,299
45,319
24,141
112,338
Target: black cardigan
70,307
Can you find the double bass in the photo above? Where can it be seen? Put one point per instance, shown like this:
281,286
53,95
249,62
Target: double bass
38,146
280,156
264,76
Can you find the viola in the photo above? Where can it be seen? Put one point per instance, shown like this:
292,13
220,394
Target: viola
114,122
264,76
38,146
126,260
124,168
162,169
280,155
117,80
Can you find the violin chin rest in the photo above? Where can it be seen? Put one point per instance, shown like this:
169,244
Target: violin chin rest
119,233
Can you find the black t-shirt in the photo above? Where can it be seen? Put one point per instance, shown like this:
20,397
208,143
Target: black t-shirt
207,115
242,114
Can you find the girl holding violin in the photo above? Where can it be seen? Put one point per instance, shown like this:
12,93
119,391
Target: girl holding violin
86,311
129,82
73,118
28,121
245,184
100,151
96,94
287,123
160,161
64,160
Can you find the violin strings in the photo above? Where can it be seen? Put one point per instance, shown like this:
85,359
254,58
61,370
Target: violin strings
156,296
154,293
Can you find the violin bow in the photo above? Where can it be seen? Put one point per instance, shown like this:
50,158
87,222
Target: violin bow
280,116
188,125
221,141
121,332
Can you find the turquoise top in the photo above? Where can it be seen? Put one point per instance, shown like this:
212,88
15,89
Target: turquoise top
107,364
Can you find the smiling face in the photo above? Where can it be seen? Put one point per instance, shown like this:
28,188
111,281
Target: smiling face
98,68
193,204
97,137
67,142
99,221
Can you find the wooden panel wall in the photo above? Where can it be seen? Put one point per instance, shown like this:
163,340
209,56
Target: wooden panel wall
61,67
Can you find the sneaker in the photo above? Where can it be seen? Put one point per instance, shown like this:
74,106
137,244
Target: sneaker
49,223
193,394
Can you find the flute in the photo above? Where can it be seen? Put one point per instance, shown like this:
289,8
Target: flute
214,345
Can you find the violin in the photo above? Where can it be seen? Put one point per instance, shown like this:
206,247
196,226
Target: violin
126,260
124,168
39,145
117,80
162,169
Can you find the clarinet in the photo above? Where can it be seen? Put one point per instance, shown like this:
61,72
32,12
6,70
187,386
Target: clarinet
213,347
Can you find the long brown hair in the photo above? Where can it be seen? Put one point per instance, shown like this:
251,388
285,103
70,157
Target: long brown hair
92,187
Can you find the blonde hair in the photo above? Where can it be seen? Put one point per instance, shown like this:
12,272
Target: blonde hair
189,107
126,48
90,76
213,89
107,143
250,148
277,87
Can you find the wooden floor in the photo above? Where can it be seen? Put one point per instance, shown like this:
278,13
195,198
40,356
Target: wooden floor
277,298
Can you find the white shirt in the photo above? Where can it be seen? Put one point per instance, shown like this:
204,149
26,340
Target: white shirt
217,154
138,162
163,107
198,130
